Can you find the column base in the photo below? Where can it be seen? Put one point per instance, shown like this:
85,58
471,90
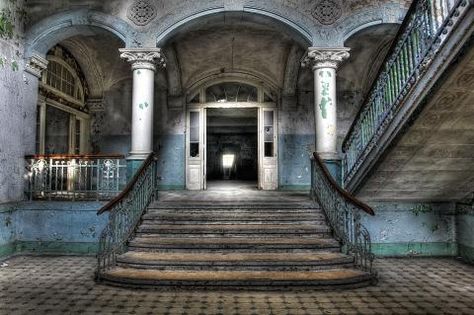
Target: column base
138,155
134,162
334,165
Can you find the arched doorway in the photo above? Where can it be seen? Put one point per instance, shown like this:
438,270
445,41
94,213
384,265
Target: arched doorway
243,114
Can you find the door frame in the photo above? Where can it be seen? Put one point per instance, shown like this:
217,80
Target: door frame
202,108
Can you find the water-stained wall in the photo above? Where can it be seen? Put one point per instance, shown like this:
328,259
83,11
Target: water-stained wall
412,229
50,227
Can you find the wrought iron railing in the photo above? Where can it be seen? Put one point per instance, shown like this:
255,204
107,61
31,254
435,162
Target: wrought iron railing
125,212
343,213
74,177
427,25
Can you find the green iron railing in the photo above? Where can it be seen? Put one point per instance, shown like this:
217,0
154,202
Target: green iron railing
426,26
343,213
125,212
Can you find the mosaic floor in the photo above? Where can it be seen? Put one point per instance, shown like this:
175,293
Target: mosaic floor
64,285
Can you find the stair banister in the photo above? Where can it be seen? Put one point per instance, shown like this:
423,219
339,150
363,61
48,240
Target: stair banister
343,212
420,37
125,212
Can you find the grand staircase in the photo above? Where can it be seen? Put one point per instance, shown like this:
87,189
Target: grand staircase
258,245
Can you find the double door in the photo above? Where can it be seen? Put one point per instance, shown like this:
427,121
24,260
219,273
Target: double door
196,145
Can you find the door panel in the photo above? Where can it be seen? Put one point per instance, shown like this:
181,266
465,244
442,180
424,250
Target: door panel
195,149
268,159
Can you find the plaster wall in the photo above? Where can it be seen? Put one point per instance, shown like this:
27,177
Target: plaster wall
50,227
18,94
465,229
412,229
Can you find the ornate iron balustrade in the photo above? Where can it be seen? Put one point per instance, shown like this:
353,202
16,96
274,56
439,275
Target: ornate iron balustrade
75,177
427,25
343,212
125,212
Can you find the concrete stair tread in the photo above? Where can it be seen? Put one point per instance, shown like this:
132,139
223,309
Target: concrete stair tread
234,226
321,257
231,205
330,275
235,240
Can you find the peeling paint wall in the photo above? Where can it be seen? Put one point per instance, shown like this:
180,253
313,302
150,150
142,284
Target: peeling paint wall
412,229
50,227
465,230
7,230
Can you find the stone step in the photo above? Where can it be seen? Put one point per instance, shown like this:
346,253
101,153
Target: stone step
233,206
218,221
197,279
236,243
256,229
233,261
233,213
233,217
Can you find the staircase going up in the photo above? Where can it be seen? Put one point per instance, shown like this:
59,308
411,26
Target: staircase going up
259,245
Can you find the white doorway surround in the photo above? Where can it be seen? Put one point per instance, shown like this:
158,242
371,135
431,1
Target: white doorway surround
196,131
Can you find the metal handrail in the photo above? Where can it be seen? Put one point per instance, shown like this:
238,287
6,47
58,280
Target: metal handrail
419,38
125,212
343,212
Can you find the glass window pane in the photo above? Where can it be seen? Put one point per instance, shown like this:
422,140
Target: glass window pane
268,132
194,126
268,116
194,149
231,92
268,149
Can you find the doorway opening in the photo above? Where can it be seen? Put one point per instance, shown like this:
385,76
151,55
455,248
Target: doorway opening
232,148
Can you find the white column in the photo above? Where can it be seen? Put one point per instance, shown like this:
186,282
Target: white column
144,62
324,62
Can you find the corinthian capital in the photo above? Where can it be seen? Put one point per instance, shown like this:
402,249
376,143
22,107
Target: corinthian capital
325,57
143,58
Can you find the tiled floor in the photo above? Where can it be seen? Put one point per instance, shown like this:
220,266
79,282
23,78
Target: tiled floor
64,285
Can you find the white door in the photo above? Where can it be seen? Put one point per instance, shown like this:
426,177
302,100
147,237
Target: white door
196,149
267,147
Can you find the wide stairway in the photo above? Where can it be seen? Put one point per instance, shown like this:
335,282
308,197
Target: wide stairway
225,244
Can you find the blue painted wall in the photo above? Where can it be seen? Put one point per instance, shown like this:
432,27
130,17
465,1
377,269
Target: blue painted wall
410,229
465,229
171,163
7,229
51,227
294,161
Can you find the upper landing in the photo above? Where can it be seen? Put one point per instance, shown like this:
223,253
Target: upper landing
233,192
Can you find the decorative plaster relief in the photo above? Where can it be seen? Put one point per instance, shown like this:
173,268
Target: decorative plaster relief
327,12
142,12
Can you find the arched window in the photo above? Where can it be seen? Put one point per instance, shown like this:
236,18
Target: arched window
63,118
231,92
63,79
60,77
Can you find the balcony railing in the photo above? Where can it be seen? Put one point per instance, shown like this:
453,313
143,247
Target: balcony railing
427,25
75,177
